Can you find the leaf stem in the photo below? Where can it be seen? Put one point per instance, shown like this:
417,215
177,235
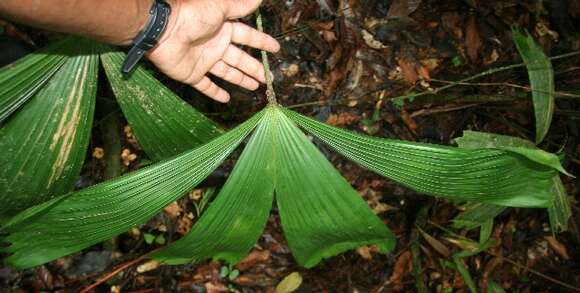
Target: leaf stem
270,93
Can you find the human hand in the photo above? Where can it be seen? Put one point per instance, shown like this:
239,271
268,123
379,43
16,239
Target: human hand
200,38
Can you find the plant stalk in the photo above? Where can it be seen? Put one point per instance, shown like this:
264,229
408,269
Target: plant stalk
270,93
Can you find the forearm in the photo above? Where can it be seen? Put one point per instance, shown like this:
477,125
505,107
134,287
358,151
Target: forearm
112,21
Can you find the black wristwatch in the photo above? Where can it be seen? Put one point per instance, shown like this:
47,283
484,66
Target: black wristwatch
148,37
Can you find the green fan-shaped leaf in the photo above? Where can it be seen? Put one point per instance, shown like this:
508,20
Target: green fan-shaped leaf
44,144
559,212
483,140
235,220
541,77
486,175
322,215
164,124
75,221
21,80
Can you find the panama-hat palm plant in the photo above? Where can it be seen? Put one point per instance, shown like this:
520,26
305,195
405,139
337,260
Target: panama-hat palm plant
46,106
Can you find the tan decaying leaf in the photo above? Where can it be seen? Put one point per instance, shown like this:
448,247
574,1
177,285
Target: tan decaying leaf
290,283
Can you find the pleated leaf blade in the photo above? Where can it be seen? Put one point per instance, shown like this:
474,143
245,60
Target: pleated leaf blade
163,123
487,175
19,81
541,77
321,214
44,144
78,220
559,211
235,220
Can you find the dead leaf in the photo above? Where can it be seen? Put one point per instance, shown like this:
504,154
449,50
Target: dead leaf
558,247
342,119
424,73
173,210
473,41
436,244
402,268
290,283
365,252
402,8
98,153
196,194
128,157
451,21
408,70
409,121
215,288
255,257
371,41
489,268
130,136
148,266
184,224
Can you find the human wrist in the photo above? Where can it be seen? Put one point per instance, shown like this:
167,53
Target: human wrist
172,24
139,16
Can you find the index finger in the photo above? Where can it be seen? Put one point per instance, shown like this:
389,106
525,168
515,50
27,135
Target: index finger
245,35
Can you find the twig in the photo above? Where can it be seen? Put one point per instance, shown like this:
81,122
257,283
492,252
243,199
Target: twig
110,275
521,266
526,88
426,112
270,93
482,74
438,90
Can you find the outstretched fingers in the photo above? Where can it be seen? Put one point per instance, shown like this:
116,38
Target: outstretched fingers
237,58
245,35
212,90
233,75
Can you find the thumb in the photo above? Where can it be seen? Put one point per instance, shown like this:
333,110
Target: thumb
240,8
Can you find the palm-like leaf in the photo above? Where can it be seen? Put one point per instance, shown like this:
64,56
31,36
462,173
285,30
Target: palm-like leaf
321,214
236,219
477,213
21,80
541,77
75,221
164,124
44,146
486,175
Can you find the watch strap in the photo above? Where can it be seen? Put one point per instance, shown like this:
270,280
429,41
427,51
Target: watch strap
149,36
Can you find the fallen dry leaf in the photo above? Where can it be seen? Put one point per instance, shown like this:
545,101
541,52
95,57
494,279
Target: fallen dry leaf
290,283
402,8
98,153
342,119
436,244
473,41
128,157
402,268
558,247
184,224
408,70
215,288
173,210
148,266
365,252
255,257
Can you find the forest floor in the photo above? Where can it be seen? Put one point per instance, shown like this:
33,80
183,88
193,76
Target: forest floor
349,63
